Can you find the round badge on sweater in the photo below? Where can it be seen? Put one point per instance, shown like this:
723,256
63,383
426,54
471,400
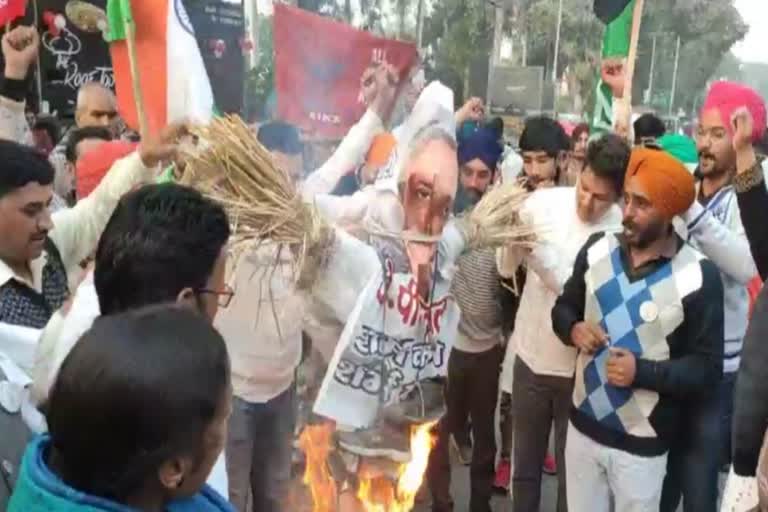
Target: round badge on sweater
649,311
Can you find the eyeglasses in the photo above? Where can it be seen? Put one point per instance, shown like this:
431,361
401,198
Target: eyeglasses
224,296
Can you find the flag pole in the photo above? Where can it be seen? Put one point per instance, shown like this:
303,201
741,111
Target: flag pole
637,18
130,39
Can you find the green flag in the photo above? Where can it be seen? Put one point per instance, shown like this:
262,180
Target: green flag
615,45
118,14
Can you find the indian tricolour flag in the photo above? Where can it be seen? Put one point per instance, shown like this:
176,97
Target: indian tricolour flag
174,82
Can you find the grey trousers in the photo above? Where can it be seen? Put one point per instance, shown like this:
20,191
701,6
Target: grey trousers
537,402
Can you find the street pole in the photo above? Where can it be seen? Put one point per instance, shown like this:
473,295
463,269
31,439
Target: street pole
653,66
557,52
498,25
420,25
674,77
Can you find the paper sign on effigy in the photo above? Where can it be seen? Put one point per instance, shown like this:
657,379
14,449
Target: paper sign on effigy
391,340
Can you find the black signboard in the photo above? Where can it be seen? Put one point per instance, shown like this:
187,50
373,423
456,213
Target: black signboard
219,28
75,56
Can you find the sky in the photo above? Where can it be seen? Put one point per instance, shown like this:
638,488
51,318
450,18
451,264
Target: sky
754,47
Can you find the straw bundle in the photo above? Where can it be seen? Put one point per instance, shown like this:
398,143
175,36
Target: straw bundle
263,204
496,222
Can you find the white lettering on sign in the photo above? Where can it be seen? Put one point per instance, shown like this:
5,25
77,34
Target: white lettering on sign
64,47
323,117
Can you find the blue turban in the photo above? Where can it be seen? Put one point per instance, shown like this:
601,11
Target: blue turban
482,144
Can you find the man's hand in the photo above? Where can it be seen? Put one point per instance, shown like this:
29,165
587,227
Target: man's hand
588,337
621,368
743,127
20,47
612,74
385,84
162,147
472,110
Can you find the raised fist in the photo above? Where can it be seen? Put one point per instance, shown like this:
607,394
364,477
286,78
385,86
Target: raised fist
20,47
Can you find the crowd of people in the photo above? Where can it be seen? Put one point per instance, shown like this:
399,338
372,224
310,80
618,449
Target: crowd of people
142,369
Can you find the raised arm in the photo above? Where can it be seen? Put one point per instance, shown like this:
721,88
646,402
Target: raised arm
752,195
20,47
726,246
77,230
379,87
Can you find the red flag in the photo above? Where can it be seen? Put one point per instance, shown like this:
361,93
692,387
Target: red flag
318,65
11,9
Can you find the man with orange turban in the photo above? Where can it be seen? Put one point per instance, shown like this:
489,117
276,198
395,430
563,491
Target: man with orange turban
714,227
645,311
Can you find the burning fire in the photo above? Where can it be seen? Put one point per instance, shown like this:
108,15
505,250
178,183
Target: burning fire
316,441
376,493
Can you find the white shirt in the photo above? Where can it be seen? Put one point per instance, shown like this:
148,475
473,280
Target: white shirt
262,326
550,264
75,233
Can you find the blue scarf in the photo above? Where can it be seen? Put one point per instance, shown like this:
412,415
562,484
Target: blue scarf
39,490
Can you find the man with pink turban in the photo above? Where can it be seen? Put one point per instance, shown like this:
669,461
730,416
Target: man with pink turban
713,225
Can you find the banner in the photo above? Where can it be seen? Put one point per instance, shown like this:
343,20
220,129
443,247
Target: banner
318,65
391,340
11,9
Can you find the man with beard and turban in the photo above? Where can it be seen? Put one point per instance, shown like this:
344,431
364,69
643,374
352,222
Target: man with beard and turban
645,311
714,227
474,363
542,367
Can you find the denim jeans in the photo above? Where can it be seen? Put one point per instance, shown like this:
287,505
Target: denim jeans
259,447
701,449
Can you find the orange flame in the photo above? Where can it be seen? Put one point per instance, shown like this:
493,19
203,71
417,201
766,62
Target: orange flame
315,442
375,492
380,495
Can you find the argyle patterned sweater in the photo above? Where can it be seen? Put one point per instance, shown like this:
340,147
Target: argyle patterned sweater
669,314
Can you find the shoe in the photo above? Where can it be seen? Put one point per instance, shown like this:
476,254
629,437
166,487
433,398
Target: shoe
503,475
549,466
377,441
424,403
463,451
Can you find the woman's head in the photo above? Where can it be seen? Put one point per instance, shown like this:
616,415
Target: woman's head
139,410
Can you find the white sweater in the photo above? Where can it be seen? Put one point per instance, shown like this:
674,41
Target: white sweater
550,265
718,233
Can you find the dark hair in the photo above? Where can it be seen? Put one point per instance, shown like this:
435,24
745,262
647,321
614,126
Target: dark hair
648,126
279,136
544,134
159,240
79,135
497,126
50,125
607,158
136,389
22,165
578,131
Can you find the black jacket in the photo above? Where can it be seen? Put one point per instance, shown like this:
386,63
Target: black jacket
750,402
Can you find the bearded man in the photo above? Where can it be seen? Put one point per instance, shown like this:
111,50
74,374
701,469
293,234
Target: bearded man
714,226
645,311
